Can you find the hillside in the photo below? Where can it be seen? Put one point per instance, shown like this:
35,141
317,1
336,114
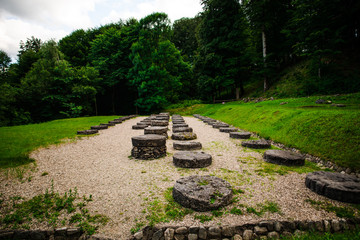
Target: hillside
324,130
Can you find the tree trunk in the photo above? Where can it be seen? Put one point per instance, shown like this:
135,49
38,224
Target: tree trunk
96,108
237,93
263,36
113,100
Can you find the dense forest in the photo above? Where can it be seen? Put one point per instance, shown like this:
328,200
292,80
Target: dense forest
143,66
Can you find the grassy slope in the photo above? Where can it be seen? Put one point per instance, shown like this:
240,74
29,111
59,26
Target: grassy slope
18,141
332,133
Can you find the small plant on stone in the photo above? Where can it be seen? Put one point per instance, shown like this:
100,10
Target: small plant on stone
203,183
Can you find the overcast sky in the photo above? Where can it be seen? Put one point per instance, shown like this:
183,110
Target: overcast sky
54,19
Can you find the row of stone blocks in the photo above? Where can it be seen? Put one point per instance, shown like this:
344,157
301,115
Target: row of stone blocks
152,144
102,126
187,158
260,230
160,120
337,186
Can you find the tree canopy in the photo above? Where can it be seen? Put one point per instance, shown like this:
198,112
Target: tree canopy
142,66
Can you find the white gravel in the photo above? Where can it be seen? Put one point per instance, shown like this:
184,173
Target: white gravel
123,187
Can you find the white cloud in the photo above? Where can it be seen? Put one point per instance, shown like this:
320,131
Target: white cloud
58,13
46,19
13,30
175,9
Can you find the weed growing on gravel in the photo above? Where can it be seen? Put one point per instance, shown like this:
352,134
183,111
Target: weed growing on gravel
236,211
203,218
48,208
217,213
137,227
269,169
260,209
159,211
342,212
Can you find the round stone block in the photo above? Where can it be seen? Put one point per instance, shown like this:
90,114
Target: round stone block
138,127
182,129
192,159
107,124
220,125
337,186
180,125
99,127
117,121
202,193
159,123
187,145
178,122
156,130
162,118
183,136
87,132
284,158
228,129
240,135
149,140
212,123
114,122
207,120
257,144
143,123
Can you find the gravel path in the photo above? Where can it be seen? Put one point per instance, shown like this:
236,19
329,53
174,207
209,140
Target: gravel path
123,187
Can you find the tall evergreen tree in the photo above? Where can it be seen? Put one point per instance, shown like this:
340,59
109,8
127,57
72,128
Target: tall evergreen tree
222,38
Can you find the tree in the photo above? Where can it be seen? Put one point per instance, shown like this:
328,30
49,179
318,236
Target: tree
222,52
184,37
268,20
323,30
76,47
5,61
53,89
158,67
109,54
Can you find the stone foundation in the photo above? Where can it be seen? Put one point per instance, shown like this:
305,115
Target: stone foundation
147,153
260,230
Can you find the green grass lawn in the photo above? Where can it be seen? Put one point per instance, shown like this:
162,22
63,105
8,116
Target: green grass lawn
18,141
329,132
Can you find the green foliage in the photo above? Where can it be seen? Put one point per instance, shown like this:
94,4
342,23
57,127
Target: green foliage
158,68
48,208
18,141
184,36
5,61
222,59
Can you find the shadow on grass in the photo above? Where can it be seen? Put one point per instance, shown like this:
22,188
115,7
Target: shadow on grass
12,162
